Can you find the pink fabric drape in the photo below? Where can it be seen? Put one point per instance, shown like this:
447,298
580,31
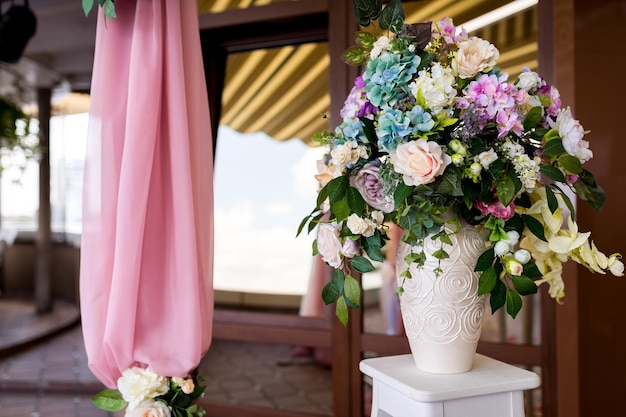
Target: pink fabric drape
147,243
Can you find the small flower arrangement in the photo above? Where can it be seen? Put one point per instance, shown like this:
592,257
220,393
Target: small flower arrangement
434,132
146,394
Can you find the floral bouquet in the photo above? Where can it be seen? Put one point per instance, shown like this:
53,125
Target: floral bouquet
434,132
146,394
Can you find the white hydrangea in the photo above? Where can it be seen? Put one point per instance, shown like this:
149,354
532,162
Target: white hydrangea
436,88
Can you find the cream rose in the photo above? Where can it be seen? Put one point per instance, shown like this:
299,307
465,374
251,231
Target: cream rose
137,385
150,409
420,161
328,244
360,226
474,55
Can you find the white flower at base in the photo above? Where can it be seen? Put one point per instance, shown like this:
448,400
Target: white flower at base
149,408
360,226
137,385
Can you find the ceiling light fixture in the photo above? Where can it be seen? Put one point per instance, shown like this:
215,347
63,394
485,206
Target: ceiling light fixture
498,14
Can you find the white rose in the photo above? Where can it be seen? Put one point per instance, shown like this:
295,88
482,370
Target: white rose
382,44
571,132
474,55
420,161
328,244
512,237
137,385
360,226
378,217
528,80
150,408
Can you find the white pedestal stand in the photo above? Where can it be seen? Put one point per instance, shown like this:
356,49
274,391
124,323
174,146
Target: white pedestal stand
491,389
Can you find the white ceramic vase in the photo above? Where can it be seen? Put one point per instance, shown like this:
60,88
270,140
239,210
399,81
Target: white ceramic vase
443,314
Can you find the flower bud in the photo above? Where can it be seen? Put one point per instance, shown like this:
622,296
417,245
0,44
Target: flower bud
616,266
522,256
457,147
514,268
457,159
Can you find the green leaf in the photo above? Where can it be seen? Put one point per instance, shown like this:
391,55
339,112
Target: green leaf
571,164
553,147
534,226
505,188
553,173
449,183
402,192
109,9
334,288
533,117
392,16
367,10
553,203
354,55
440,254
524,285
355,201
531,270
485,260
337,188
341,310
365,39
362,264
498,296
588,190
369,129
487,281
341,209
568,202
352,290
109,400
375,253
513,303
87,6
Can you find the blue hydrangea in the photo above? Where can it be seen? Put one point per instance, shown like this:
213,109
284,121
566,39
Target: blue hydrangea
351,129
386,78
393,128
421,120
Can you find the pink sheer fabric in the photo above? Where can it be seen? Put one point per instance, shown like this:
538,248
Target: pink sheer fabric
147,260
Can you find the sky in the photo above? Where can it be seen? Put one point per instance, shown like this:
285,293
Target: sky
263,188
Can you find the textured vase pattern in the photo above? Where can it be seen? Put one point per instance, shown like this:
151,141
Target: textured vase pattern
443,314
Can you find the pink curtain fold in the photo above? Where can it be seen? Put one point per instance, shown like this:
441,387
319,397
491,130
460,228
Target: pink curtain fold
147,244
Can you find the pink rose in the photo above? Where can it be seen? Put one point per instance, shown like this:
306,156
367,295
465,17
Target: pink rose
497,209
420,161
371,189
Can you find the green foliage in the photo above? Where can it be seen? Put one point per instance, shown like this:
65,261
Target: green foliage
109,400
392,16
108,5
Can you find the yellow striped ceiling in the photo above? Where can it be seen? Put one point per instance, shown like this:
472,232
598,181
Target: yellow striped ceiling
284,91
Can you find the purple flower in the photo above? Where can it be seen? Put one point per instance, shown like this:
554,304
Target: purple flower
367,183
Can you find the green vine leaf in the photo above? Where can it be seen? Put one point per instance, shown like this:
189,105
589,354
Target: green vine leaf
109,400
